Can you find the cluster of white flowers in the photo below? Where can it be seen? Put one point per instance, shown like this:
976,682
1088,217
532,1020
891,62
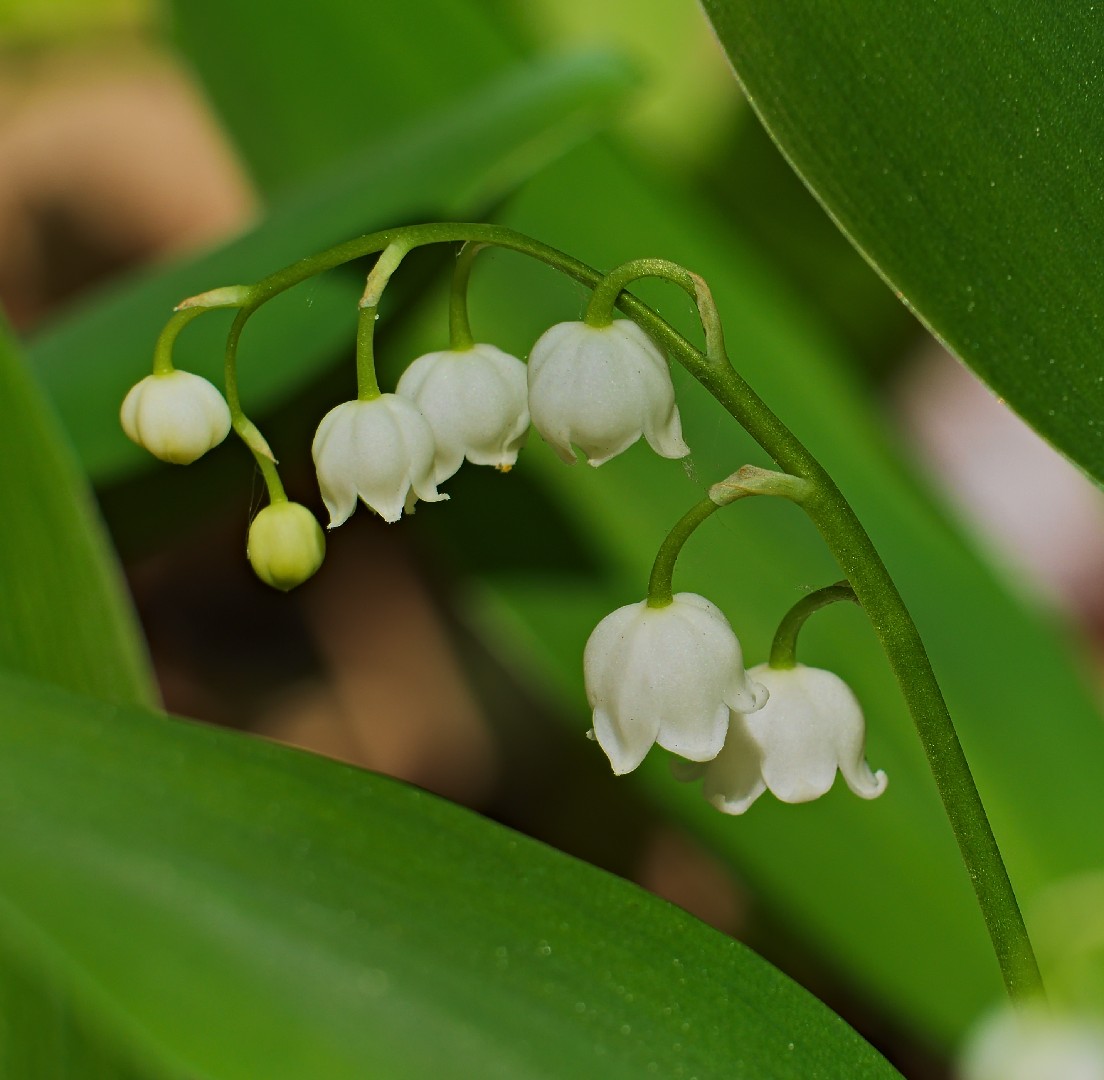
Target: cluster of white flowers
674,676
669,675
599,388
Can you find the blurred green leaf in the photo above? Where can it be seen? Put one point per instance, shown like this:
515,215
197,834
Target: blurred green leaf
64,612
755,189
275,85
957,145
879,887
677,122
464,156
228,908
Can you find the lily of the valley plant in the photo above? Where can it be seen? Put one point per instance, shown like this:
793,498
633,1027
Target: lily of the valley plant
667,670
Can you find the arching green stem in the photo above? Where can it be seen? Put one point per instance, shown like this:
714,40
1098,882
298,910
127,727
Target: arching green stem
877,593
229,296
273,484
659,584
599,311
746,481
367,383
842,532
783,653
460,335
243,427
388,262
162,351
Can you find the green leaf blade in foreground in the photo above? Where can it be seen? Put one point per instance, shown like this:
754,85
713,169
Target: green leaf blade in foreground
321,921
44,1039
464,156
64,612
958,146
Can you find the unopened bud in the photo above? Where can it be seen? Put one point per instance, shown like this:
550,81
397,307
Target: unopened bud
176,416
286,545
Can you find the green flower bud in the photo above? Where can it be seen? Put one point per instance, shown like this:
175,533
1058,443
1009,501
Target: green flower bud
286,545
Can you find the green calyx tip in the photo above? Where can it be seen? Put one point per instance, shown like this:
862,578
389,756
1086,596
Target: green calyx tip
598,321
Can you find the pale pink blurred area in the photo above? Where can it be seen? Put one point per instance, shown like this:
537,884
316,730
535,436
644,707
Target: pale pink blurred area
397,697
110,159
1036,513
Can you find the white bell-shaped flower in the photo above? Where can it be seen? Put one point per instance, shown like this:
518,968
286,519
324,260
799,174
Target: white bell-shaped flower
1034,1044
176,416
286,545
381,450
476,402
733,780
665,675
601,388
811,726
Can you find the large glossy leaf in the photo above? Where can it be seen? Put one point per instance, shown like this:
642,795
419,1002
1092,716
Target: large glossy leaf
232,909
957,144
878,887
461,157
64,613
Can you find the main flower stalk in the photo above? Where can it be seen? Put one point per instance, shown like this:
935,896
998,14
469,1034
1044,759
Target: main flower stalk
877,593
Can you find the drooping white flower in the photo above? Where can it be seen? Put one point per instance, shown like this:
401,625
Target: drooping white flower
476,402
601,388
381,450
811,726
176,416
286,545
665,675
733,780
1034,1044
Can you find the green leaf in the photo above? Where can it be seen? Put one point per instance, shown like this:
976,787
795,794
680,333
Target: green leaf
64,612
957,145
464,156
44,1037
228,908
